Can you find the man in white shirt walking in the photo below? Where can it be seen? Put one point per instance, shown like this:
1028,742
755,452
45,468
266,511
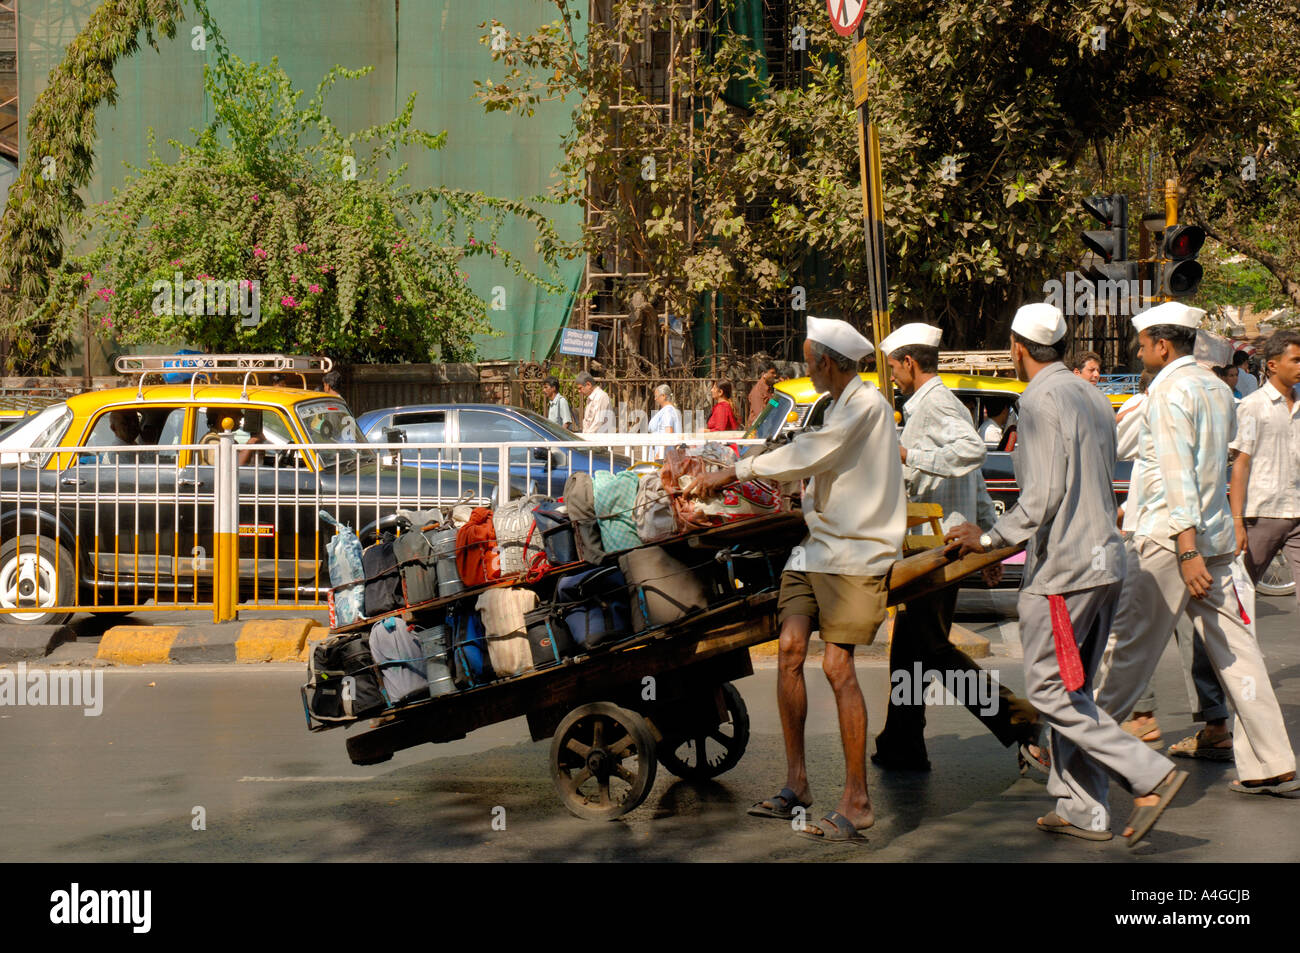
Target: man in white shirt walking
855,508
1265,492
941,456
597,417
1185,544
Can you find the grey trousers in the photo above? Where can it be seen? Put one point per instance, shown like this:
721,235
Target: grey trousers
1159,596
1088,746
1265,538
1204,693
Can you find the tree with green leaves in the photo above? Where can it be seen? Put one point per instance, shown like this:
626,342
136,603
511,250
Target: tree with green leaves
276,208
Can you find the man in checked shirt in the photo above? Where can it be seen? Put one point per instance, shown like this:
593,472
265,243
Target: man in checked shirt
941,455
1185,546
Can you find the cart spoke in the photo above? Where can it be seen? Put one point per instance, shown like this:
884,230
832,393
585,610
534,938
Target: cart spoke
597,731
625,774
618,747
578,748
722,739
603,795
580,777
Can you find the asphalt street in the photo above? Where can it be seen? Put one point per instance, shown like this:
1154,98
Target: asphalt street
227,745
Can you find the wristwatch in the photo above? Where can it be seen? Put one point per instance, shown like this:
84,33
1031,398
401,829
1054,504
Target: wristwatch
1189,554
986,541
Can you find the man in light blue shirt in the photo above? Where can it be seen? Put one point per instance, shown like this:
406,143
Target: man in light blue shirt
1185,544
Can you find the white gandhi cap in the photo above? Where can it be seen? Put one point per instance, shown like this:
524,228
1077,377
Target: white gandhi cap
839,336
915,333
1171,312
1040,323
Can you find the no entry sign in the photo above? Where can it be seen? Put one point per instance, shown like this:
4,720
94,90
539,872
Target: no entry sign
845,14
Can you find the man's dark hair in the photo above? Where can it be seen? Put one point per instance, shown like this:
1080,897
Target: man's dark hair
552,381
333,379
1275,345
1077,362
725,387
1181,339
995,405
1241,359
767,366
1042,353
927,358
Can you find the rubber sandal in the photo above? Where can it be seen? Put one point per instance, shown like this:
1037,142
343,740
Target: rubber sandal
1025,760
1151,736
1059,825
835,829
1195,746
786,801
1144,818
1288,789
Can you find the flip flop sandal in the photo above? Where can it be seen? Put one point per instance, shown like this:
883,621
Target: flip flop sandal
1288,789
1195,746
786,801
1151,736
835,829
1025,760
1144,818
1058,825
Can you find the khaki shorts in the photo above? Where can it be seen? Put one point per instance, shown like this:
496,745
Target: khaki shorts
846,609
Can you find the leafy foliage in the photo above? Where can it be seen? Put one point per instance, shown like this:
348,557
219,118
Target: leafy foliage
59,158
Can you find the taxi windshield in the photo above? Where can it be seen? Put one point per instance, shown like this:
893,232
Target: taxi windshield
328,421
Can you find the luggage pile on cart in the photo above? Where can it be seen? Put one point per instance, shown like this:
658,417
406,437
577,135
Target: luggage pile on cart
605,597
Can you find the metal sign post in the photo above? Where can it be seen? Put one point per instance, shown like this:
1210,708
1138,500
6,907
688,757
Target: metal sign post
873,203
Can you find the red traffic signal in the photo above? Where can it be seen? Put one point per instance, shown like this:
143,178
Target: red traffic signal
1183,241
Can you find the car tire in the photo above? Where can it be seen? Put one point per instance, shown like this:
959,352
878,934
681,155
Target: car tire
35,571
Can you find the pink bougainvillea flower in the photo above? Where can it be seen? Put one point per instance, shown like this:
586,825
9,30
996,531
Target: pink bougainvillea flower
288,301
106,321
254,196
300,247
314,289
245,283
259,251
471,241
397,297
86,277
176,261
105,293
293,279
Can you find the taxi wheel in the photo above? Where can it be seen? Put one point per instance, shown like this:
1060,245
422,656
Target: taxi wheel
35,573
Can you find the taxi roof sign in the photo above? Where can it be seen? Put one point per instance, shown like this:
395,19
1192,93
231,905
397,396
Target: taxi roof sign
160,363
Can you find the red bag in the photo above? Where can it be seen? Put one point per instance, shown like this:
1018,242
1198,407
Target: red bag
477,559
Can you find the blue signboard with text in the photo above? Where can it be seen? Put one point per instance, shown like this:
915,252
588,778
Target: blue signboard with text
578,343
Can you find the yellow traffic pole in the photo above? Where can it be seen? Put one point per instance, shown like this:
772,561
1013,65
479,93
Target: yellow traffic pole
225,569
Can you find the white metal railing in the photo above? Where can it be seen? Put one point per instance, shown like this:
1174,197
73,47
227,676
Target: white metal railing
230,526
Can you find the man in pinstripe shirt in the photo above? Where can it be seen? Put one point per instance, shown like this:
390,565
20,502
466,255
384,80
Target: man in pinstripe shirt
1074,566
941,455
1185,544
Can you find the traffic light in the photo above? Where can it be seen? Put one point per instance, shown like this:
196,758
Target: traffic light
1109,246
1178,274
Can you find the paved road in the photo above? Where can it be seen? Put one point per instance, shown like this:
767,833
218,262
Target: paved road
123,786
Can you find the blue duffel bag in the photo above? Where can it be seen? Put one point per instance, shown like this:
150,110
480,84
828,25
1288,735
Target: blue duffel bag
594,606
471,666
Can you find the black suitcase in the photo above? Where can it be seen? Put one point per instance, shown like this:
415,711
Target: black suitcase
419,574
345,680
548,637
383,581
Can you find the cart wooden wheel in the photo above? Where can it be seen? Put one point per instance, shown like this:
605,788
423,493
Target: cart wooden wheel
711,747
602,761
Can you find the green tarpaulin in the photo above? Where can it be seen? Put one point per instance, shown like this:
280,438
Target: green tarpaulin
430,47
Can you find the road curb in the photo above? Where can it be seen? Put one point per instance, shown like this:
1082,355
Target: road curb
19,643
262,640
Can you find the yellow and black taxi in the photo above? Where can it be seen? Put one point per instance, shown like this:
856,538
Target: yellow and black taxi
110,502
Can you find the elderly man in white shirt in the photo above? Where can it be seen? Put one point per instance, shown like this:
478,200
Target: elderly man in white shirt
597,417
835,581
942,455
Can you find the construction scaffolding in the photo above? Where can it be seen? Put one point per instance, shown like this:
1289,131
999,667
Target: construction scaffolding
642,339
